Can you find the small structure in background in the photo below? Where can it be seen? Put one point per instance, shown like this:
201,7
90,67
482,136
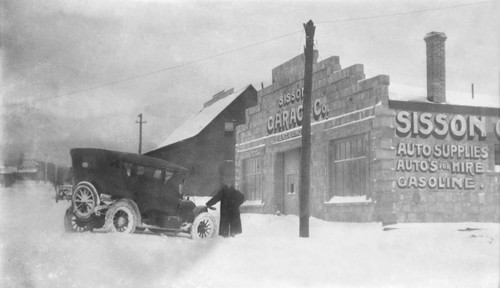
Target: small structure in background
34,170
7,175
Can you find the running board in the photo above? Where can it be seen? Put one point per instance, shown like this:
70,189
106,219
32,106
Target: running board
156,229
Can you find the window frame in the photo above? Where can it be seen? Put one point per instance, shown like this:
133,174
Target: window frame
229,131
292,183
255,176
347,164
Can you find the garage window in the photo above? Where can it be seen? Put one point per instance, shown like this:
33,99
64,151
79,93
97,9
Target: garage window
349,166
252,178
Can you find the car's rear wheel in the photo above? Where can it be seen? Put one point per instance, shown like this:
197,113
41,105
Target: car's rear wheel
121,217
84,200
204,226
73,224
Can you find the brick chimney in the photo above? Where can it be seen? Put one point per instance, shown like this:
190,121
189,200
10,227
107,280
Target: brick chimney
436,70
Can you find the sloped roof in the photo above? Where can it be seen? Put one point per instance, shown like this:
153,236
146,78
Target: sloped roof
419,94
196,123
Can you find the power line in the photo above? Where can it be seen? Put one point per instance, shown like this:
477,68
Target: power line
403,13
183,64
245,47
167,68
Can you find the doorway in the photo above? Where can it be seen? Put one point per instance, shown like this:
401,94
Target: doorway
291,180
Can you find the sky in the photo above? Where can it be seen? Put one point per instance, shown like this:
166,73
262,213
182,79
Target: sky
77,73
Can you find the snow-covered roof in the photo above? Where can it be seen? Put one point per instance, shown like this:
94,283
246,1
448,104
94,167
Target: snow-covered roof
419,94
196,123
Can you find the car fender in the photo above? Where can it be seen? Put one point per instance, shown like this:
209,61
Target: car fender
199,209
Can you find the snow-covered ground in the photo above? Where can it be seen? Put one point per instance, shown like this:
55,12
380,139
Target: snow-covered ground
36,252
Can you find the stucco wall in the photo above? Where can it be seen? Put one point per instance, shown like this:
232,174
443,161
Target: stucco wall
469,189
349,106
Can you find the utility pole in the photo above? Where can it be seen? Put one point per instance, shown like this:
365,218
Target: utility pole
140,131
305,158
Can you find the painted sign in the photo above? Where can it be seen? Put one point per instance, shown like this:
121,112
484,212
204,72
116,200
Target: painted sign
289,115
451,166
440,125
442,165
290,135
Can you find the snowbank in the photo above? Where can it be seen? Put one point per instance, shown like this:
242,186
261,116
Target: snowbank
36,252
348,199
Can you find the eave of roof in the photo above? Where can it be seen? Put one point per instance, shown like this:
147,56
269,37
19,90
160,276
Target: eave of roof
401,93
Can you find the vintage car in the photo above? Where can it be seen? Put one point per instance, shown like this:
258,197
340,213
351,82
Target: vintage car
126,192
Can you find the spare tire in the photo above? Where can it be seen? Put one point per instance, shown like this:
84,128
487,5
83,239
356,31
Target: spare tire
84,200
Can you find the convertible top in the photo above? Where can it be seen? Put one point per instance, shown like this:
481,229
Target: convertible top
128,157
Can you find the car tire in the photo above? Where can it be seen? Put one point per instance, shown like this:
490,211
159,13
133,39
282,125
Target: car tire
73,224
121,217
204,226
84,200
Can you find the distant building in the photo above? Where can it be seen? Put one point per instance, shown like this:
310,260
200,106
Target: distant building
34,170
378,153
30,170
205,142
7,175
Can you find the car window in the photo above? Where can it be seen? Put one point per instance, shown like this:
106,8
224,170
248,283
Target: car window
149,173
167,176
157,175
140,170
128,168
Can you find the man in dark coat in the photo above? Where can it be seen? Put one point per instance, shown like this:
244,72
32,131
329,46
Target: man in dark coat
230,201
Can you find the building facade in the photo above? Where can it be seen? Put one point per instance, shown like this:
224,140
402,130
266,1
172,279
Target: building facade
205,143
376,155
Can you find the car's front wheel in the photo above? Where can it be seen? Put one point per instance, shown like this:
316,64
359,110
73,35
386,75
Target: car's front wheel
121,217
74,224
204,226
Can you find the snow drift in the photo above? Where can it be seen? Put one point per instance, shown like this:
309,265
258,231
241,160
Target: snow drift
36,252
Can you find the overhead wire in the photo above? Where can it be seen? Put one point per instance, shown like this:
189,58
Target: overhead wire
403,13
167,68
244,47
